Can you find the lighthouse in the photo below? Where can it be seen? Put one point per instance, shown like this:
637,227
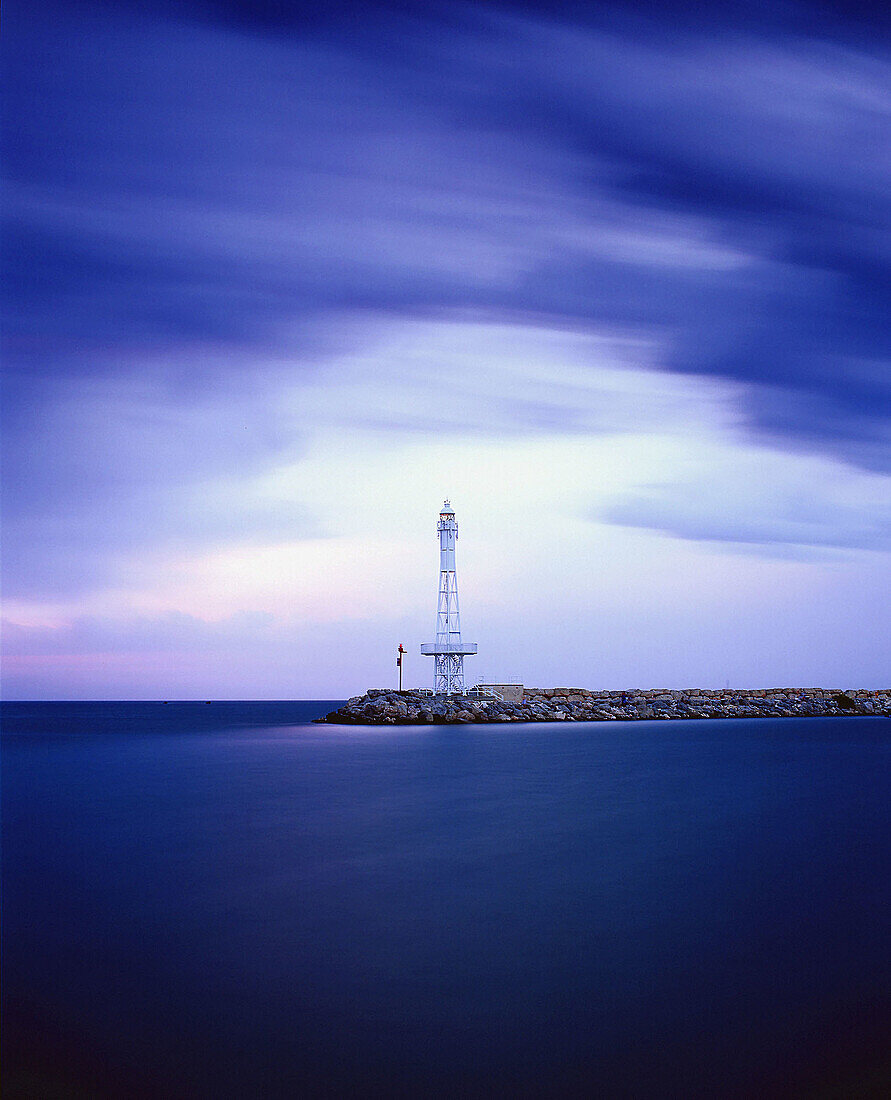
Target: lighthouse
448,651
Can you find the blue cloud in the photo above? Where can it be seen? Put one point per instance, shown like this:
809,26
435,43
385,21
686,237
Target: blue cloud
195,188
771,505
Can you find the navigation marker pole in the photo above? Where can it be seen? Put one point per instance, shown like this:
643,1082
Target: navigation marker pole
448,650
399,657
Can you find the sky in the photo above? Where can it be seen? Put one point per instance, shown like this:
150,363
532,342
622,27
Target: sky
613,278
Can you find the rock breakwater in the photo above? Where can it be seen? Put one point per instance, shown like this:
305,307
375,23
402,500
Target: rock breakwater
381,707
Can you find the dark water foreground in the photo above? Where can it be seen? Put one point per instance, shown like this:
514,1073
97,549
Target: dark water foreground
227,901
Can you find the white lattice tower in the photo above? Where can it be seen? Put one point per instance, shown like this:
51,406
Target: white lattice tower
448,650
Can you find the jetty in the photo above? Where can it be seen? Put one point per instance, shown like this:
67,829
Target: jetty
487,704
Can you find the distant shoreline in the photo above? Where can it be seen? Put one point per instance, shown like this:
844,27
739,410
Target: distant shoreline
414,707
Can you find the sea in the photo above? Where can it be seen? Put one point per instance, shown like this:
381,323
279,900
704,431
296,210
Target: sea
226,900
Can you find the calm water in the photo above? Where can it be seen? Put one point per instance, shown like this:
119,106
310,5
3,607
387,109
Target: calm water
226,901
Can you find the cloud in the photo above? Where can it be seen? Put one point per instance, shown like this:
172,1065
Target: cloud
139,489
726,191
776,503
173,631
273,276
112,477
